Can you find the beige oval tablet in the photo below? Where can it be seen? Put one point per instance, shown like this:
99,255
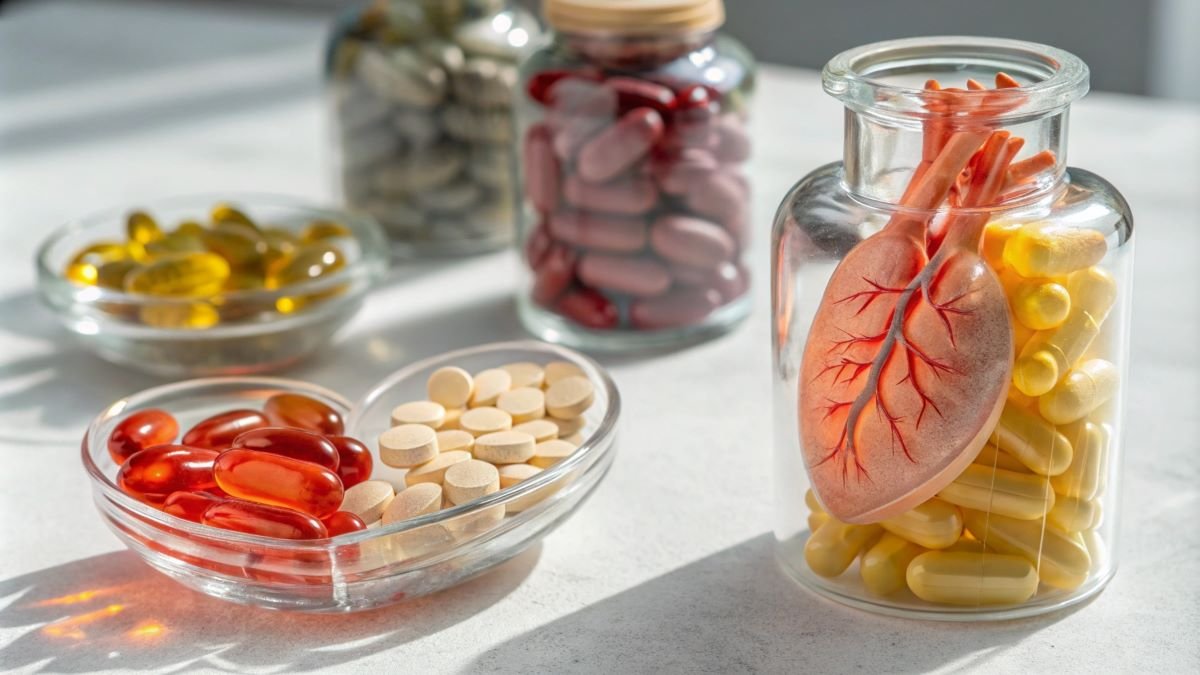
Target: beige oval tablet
408,445
542,430
546,455
469,480
515,473
511,474
569,426
450,386
454,439
368,499
525,374
524,404
485,420
434,471
504,447
431,414
417,500
489,384
569,397
557,370
452,417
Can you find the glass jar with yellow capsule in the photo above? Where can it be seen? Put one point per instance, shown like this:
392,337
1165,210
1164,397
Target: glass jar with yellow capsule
210,285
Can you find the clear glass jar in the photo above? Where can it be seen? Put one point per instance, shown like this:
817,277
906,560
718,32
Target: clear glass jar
636,204
951,309
421,95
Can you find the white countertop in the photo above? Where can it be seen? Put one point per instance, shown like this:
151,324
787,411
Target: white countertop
669,566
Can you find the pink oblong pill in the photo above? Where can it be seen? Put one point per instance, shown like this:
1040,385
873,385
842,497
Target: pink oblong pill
598,231
621,145
589,308
729,279
718,196
577,96
676,170
733,143
537,244
573,132
541,169
691,241
680,307
630,196
553,275
641,277
633,93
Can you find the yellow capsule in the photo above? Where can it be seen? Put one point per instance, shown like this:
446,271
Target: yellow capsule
1074,515
995,236
966,544
972,579
1084,478
932,524
191,315
101,252
1049,354
1039,304
242,247
320,230
995,458
816,519
82,273
831,549
175,243
113,273
1021,335
188,275
189,228
245,281
1032,440
1062,560
1084,389
310,262
227,213
1049,249
1094,544
1019,495
883,565
281,244
810,500
142,228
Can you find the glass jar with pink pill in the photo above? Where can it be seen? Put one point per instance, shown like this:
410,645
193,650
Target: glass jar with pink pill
951,307
632,124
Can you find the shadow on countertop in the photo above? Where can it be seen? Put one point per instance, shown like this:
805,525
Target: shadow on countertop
112,611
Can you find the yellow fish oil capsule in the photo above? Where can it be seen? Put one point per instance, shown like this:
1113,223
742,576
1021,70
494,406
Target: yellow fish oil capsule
1062,560
1032,440
883,566
174,243
281,244
227,213
810,500
995,458
142,228
995,236
1085,388
192,315
834,545
1039,304
1084,478
972,579
189,228
1047,250
933,524
1073,515
310,262
189,275
1018,495
816,519
320,230
241,246
113,273
1049,354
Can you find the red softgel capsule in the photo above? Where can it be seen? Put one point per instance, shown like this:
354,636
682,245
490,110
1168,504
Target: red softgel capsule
141,430
589,308
154,473
343,522
303,412
265,520
276,480
294,443
190,505
354,460
217,432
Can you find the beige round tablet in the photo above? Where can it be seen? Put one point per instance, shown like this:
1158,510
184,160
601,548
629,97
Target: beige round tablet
546,455
515,473
489,384
569,426
454,439
417,500
434,471
452,417
525,374
450,387
569,397
524,404
541,430
368,499
431,414
512,474
408,445
476,522
485,420
469,480
504,447
557,370
575,439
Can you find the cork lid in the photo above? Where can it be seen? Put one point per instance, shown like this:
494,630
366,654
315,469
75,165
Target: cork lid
634,17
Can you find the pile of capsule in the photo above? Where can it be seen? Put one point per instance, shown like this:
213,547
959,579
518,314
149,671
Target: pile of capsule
423,105
1026,511
206,263
475,435
642,212
280,472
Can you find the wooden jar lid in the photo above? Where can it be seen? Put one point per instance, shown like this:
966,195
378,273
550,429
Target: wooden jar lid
634,17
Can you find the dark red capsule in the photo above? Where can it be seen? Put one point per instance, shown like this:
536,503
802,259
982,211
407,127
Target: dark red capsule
141,430
589,308
261,519
154,473
541,82
538,244
633,92
217,432
343,522
190,505
303,412
354,460
554,274
291,442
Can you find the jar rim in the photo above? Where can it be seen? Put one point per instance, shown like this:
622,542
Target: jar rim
1051,78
